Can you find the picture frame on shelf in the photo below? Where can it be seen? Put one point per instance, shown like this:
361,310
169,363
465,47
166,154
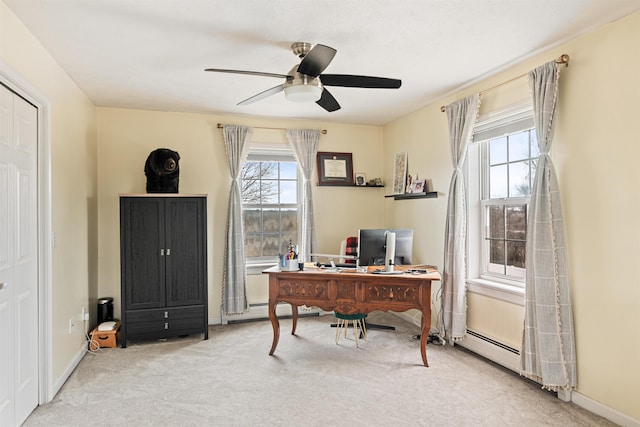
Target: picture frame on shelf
410,184
419,186
334,168
361,179
400,173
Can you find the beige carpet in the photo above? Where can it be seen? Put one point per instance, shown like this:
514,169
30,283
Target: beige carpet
230,380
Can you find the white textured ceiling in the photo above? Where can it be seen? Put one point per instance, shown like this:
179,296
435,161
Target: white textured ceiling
150,54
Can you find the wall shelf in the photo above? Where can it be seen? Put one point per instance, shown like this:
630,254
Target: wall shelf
427,195
351,185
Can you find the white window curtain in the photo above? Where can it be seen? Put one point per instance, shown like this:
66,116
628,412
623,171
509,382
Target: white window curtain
305,144
234,297
548,348
461,116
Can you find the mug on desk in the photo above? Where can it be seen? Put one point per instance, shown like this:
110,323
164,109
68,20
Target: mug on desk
290,265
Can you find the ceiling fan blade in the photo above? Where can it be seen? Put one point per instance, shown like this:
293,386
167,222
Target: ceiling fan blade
251,73
327,101
347,80
262,95
316,60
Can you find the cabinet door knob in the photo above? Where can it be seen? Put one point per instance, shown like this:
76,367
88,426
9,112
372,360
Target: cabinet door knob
166,325
166,314
168,251
161,252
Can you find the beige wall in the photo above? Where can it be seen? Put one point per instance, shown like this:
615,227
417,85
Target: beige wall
73,183
125,138
595,151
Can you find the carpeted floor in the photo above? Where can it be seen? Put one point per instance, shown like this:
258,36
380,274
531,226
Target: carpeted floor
229,380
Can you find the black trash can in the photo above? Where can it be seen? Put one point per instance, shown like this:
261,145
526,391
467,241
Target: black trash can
105,309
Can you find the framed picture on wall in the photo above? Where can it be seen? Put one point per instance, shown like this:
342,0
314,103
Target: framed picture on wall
334,168
400,173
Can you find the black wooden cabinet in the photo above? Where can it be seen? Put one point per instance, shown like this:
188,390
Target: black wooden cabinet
163,256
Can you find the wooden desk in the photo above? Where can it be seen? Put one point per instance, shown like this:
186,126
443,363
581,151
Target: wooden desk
350,292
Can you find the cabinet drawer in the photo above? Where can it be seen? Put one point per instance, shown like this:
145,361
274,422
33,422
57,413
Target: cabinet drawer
172,313
161,323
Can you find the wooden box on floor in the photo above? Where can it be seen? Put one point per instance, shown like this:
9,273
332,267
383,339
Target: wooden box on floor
105,339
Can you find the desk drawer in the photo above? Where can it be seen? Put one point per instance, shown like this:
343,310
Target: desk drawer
392,293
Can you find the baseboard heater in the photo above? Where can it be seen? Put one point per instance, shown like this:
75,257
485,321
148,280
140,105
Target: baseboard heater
493,350
260,311
494,342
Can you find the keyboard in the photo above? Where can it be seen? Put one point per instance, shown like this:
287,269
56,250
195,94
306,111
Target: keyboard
338,265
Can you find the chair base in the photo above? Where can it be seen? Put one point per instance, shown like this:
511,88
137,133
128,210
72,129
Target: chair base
358,323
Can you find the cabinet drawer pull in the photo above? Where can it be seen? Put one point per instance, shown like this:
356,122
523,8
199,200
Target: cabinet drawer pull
161,252
166,325
168,251
166,314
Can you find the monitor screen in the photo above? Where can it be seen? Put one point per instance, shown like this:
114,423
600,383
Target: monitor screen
372,246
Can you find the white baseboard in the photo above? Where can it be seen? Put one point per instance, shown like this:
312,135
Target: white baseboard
57,385
603,410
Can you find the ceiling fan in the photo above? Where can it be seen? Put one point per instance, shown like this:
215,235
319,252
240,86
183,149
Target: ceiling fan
306,82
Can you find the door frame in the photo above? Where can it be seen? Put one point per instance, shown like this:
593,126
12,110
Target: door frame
12,79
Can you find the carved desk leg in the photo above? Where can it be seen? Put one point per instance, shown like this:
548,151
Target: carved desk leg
426,319
273,303
294,318
423,339
275,324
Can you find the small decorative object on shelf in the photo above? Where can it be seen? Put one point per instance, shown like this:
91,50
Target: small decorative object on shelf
361,179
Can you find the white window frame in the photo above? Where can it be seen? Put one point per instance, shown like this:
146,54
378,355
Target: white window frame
509,120
271,152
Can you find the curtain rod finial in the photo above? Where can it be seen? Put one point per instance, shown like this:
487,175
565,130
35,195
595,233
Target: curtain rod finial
443,108
564,59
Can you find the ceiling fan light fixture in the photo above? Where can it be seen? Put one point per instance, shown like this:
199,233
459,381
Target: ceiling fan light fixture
303,93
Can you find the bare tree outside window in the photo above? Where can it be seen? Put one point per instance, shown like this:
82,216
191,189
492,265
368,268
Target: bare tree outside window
269,197
252,190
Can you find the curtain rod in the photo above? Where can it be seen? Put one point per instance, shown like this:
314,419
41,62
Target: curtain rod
563,59
220,126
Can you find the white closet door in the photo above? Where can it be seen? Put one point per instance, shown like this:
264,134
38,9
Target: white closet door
18,258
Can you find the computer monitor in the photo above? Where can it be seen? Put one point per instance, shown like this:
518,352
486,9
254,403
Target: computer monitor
372,246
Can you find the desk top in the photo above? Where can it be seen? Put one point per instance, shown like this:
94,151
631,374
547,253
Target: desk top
404,272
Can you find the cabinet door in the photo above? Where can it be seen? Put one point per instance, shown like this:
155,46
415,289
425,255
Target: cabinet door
143,234
186,280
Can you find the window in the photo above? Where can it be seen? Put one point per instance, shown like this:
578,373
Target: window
508,170
269,204
501,166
